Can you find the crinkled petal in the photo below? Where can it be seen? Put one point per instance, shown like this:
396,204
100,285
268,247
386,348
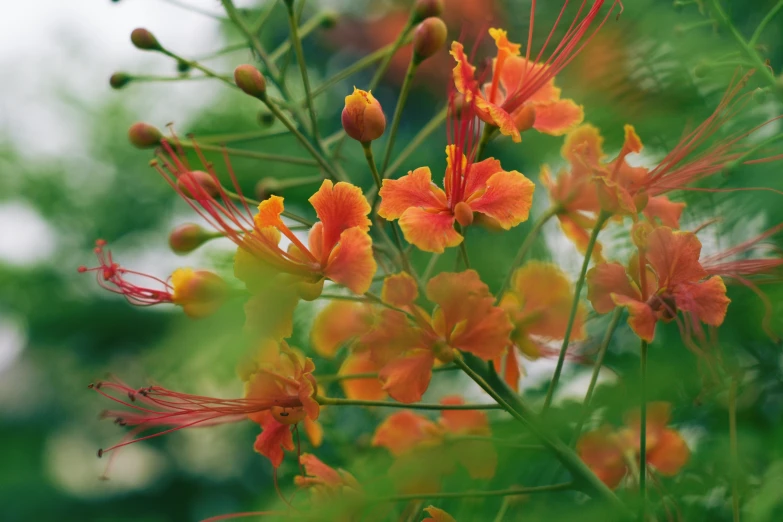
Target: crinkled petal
668,213
463,72
583,149
614,198
674,256
399,290
559,117
706,300
641,317
670,453
603,455
314,467
273,440
339,323
269,212
517,71
579,236
429,231
507,199
605,279
402,431
369,389
340,207
415,189
406,378
478,175
498,117
352,263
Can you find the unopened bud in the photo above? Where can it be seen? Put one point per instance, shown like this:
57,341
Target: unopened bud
310,291
362,117
187,238
265,118
183,67
198,184
119,80
429,38
198,292
701,70
463,214
427,8
144,136
145,40
329,19
525,118
250,80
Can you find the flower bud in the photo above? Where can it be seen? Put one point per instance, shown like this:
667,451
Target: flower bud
427,8
265,118
144,136
145,40
329,20
525,118
250,80
187,238
183,67
309,291
429,38
362,117
198,292
463,214
119,80
198,184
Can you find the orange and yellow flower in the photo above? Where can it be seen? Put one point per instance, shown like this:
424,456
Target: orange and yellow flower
675,281
539,305
609,453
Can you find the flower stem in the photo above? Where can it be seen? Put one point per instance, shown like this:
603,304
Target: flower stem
486,136
616,315
502,511
602,218
417,140
735,500
480,494
330,401
763,25
303,30
643,431
367,147
404,90
300,58
243,136
249,153
196,65
526,244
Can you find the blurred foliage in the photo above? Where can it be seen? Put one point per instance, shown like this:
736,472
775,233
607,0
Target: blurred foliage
658,67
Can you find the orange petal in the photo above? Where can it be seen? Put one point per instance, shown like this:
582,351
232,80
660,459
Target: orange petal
273,440
467,316
314,467
517,71
642,319
391,337
412,190
361,389
352,263
558,118
498,117
269,212
511,370
399,290
340,207
670,454
477,176
633,143
437,515
402,431
430,232
463,72
337,324
674,256
614,198
658,415
603,455
464,422
605,279
579,236
314,431
507,199
545,295
706,300
406,378
583,148
660,208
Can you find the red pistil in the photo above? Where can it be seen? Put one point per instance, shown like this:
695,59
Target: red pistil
111,276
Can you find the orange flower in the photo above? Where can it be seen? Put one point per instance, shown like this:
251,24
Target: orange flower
522,92
539,305
465,318
323,481
200,293
437,515
362,117
607,452
427,213
413,438
678,282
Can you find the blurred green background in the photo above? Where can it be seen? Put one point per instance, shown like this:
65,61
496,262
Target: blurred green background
69,176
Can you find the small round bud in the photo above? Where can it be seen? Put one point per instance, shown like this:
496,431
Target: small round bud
444,353
144,136
265,118
198,184
463,214
250,80
362,117
145,40
309,291
525,118
427,8
119,80
701,70
199,292
183,67
329,19
429,38
187,238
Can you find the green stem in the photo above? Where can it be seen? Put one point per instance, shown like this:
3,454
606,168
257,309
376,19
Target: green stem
243,136
303,31
263,18
194,9
763,25
375,299
481,494
430,267
602,218
463,251
643,432
302,139
196,65
530,238
735,500
248,153
502,511
300,58
486,136
330,401
152,78
744,158
367,147
417,140
404,90
616,315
